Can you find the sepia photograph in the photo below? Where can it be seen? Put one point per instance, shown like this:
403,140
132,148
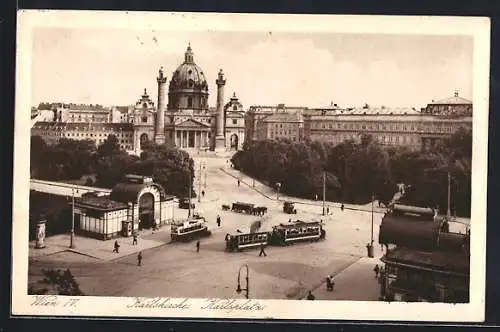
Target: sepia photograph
250,166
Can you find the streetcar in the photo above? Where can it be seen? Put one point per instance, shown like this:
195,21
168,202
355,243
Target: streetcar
238,242
297,231
190,229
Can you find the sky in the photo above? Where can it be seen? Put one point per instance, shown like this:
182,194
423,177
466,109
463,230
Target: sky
112,67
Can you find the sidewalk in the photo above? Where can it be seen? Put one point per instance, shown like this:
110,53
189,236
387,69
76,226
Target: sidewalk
271,194
99,249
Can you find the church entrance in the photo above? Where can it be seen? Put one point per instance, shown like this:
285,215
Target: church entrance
191,139
234,142
146,211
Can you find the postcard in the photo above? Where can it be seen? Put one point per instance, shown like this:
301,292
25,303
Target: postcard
250,166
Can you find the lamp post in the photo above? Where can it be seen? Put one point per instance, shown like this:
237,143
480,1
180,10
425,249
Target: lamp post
205,170
324,190
72,233
370,245
239,289
278,187
189,188
199,185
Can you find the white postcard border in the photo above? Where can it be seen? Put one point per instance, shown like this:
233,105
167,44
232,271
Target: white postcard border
478,28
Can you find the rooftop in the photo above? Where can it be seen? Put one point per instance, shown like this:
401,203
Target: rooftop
100,203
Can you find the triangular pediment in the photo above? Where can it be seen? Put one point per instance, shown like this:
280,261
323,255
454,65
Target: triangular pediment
191,123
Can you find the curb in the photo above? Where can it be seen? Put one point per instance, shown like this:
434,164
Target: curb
297,202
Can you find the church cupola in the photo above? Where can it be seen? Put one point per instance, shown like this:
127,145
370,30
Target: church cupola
188,56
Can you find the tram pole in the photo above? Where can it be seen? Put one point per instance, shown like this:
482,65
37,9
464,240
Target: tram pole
199,186
324,191
189,184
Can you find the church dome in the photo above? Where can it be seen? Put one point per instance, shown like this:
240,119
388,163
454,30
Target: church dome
189,75
188,89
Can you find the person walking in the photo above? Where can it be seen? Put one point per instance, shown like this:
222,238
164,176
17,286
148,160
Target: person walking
139,259
198,246
262,252
203,193
218,221
134,241
238,182
316,197
329,286
376,269
310,296
342,207
116,247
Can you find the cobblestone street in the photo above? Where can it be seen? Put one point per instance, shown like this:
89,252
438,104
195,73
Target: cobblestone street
177,270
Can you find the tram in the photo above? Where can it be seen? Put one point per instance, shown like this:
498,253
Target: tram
238,242
297,231
190,229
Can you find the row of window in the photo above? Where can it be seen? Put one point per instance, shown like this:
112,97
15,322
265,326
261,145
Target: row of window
100,226
382,126
98,135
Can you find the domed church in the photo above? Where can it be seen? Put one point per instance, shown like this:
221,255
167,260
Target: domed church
187,121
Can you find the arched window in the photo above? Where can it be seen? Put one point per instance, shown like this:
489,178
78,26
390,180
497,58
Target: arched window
190,101
235,108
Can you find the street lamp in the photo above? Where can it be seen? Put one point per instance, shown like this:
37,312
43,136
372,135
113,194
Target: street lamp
324,190
72,233
278,187
239,289
370,245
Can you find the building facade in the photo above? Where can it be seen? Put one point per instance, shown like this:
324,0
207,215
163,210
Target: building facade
185,120
388,126
427,257
135,203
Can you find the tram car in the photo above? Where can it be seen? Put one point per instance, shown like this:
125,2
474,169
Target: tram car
238,242
190,229
297,231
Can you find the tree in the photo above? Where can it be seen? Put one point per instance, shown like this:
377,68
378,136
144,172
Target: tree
110,147
60,282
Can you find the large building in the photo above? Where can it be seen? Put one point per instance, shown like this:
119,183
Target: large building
389,126
185,120
135,203
427,257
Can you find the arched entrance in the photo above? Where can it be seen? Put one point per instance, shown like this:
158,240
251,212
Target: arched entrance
144,140
234,142
146,210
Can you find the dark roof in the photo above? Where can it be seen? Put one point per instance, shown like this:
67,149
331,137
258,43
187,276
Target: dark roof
128,192
455,100
51,125
449,261
99,203
299,223
406,231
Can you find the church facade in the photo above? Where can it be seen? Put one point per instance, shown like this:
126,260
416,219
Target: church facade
185,120
180,118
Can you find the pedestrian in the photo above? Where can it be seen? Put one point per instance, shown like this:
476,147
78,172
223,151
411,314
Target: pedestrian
198,246
376,269
262,252
203,193
139,259
329,286
310,296
316,197
342,207
238,182
134,241
218,221
116,247
327,210
290,220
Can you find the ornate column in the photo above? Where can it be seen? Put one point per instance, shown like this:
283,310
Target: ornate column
160,112
220,143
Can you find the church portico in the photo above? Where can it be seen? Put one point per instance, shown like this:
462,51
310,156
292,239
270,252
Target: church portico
192,138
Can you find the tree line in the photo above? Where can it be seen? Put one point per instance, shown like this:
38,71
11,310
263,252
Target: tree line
356,170
71,159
